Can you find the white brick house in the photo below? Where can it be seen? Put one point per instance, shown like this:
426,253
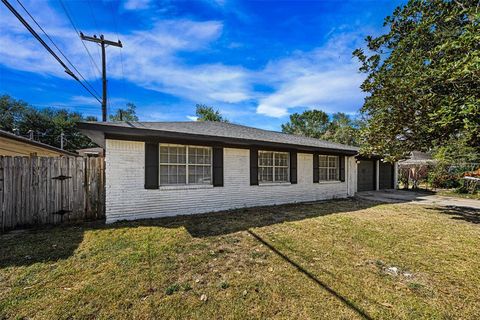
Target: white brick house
158,169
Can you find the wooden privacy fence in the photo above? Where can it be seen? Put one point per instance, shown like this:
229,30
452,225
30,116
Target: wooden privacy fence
50,190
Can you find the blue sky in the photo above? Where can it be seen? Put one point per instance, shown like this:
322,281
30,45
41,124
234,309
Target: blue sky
255,61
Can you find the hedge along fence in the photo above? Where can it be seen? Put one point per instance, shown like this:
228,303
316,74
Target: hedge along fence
50,190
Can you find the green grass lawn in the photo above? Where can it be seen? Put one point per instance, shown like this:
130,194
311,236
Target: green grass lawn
327,260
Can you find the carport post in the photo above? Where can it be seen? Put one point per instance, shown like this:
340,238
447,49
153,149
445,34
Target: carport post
377,174
395,175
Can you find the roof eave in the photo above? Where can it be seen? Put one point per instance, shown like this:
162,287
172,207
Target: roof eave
98,133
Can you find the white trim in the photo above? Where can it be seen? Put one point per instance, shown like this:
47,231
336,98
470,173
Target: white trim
395,175
330,181
264,184
186,187
273,166
336,167
186,164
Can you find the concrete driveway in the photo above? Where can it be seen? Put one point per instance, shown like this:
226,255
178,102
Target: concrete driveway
400,196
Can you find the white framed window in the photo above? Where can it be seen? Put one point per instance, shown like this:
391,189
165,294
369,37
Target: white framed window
181,164
273,166
328,168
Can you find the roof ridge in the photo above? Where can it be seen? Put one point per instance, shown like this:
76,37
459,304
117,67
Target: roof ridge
248,127
228,129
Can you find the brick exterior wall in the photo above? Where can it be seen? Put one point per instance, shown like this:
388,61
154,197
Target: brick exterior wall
126,198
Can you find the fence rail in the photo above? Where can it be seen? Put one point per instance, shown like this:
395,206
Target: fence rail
50,190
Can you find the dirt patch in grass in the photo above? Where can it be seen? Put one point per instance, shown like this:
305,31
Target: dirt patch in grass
330,260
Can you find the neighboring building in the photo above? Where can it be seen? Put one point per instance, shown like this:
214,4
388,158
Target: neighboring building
13,145
91,152
417,158
156,169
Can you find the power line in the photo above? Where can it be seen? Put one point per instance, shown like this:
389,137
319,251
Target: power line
96,25
68,60
45,45
110,5
78,33
103,42
93,16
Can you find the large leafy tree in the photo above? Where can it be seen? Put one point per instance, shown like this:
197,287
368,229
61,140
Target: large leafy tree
314,123
46,124
343,129
125,114
206,113
11,111
311,123
423,78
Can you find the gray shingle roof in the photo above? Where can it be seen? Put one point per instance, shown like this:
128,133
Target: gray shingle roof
230,130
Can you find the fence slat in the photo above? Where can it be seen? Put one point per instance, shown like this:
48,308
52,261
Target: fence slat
30,196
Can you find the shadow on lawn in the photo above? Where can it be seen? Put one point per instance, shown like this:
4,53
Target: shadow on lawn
312,277
226,222
461,213
23,248
26,247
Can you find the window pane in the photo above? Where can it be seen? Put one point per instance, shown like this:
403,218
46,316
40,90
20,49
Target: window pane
182,174
265,174
182,155
199,155
172,155
323,161
265,158
172,174
192,174
332,162
163,154
207,175
208,155
163,174
281,174
332,174
199,174
323,174
281,159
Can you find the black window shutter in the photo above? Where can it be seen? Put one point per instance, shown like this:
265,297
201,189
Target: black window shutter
217,167
253,166
151,165
316,169
293,167
341,165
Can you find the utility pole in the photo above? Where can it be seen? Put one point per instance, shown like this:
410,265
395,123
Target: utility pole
103,42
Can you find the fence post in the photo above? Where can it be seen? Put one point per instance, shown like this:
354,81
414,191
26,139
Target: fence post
2,188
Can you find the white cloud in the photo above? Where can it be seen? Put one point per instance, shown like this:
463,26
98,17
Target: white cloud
192,118
20,51
326,77
136,4
150,57
152,63
327,90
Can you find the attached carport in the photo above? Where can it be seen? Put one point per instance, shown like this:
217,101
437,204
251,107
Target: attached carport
374,174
